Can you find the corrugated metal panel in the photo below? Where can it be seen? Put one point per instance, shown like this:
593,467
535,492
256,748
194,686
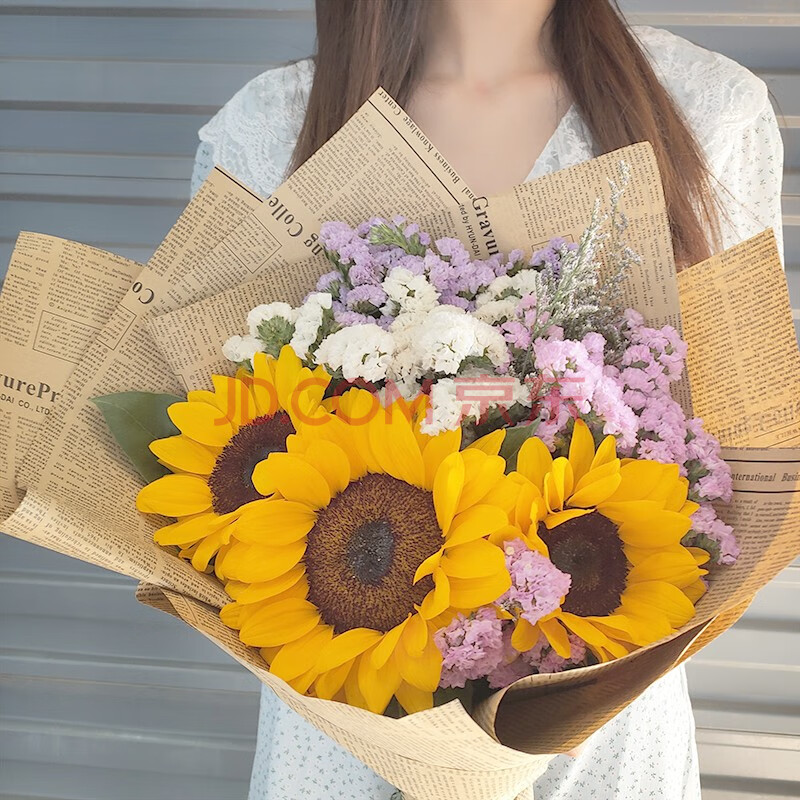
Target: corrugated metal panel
101,698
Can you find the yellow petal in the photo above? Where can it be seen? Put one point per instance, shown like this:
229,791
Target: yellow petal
262,387
524,636
254,563
473,560
471,593
331,462
329,683
377,685
596,492
534,461
293,478
593,637
554,520
385,648
556,636
185,455
288,371
191,529
558,484
300,656
422,670
346,646
643,523
663,597
447,487
475,523
415,636
482,472
437,600
394,445
274,522
581,449
412,699
202,422
175,496
605,453
436,450
428,565
491,443
208,547
695,591
247,593
279,623
676,567
238,402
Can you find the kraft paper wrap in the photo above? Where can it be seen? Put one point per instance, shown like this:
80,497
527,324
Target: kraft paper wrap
76,323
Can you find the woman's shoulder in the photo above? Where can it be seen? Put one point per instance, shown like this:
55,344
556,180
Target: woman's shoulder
254,133
714,92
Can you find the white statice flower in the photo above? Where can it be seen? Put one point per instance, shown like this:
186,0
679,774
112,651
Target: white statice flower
241,349
445,409
448,336
408,293
494,311
308,322
268,311
361,351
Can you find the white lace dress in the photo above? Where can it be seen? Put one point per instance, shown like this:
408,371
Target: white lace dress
647,751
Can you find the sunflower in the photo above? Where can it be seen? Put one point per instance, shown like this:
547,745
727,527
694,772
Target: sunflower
373,531
224,433
615,527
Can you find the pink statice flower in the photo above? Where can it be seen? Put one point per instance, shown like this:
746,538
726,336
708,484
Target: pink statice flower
537,586
471,647
706,524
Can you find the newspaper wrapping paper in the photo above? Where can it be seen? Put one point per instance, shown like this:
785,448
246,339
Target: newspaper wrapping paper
80,492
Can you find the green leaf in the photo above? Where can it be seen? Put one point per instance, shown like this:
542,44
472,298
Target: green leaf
135,419
515,438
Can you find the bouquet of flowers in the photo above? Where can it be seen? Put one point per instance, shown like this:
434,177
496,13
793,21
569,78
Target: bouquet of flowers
438,471
442,495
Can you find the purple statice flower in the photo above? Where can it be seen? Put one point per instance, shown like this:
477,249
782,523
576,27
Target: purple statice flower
347,318
328,282
704,454
537,585
453,251
471,647
365,298
705,522
365,273
335,235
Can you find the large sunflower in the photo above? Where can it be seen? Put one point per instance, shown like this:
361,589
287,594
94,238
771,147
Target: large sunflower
373,530
616,528
224,433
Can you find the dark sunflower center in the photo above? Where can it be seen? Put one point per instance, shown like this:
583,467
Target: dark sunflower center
231,481
364,549
590,550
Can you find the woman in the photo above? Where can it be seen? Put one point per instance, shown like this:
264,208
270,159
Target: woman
500,86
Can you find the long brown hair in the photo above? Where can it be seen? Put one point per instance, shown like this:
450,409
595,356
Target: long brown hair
363,44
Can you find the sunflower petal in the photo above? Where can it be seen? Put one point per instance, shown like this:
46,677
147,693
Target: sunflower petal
393,443
256,563
274,522
422,670
279,623
331,462
438,599
256,592
581,449
554,520
534,461
235,397
428,565
471,593
607,451
191,529
346,646
175,496
482,473
596,492
475,523
490,443
293,478
556,636
377,685
202,422
662,597
299,657
676,567
412,699
384,649
185,455
329,683
473,560
447,487
436,450
524,636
